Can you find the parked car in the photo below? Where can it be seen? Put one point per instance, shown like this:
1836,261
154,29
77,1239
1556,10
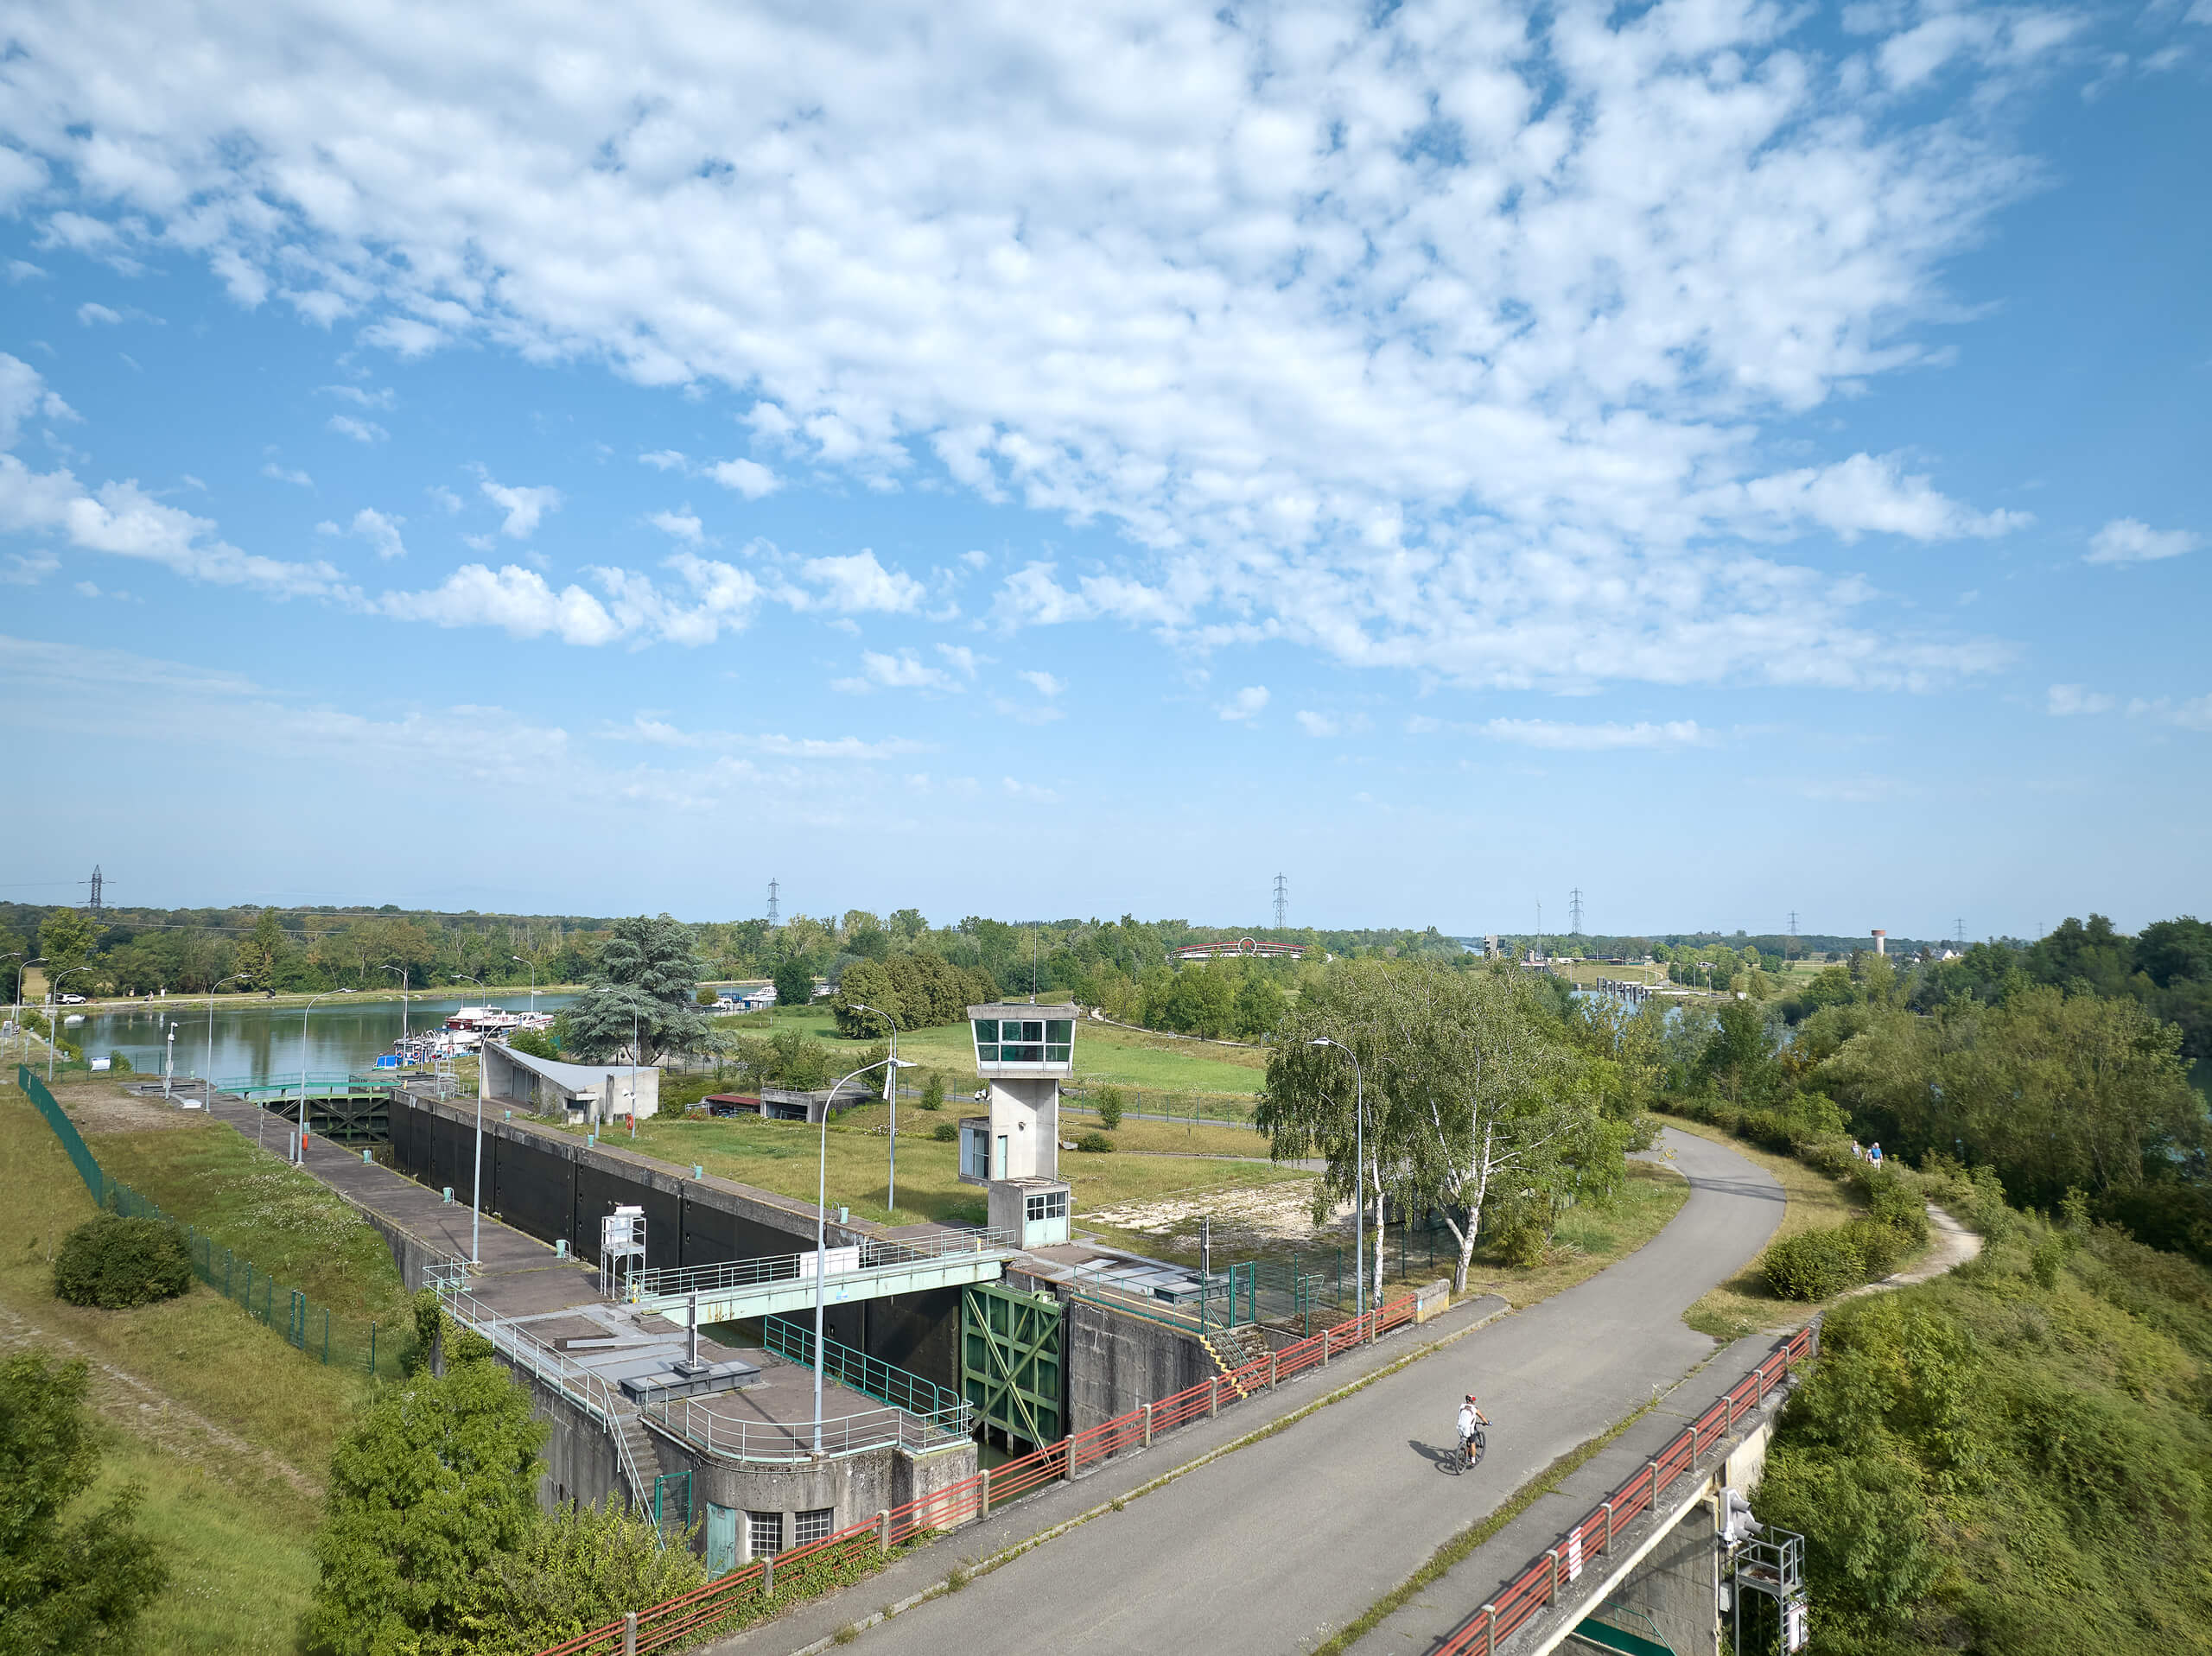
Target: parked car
72,1001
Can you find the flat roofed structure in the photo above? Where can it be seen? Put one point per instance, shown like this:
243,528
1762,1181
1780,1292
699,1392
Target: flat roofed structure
1024,1040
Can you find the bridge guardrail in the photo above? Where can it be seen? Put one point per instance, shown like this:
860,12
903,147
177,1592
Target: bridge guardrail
870,1253
751,1590
1541,1583
776,1442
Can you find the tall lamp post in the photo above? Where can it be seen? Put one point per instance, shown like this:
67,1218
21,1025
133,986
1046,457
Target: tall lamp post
532,965
26,966
822,1224
402,1003
207,1080
300,1138
54,1016
476,1188
891,1090
1359,1132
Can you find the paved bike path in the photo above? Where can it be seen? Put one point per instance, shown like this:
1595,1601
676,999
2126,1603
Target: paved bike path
1272,1548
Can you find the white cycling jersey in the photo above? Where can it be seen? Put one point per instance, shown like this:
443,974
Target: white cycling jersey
1467,1419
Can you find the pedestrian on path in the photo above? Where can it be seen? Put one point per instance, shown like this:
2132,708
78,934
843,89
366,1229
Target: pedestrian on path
1874,1153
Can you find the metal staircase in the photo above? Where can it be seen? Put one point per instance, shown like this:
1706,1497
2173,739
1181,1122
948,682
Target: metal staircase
1232,1349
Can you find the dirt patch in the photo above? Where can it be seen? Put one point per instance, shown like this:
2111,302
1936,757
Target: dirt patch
1245,1218
101,1109
147,1413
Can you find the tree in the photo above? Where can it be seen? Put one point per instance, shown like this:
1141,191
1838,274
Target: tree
65,1587
66,938
435,1485
1465,1081
794,981
640,999
262,950
1260,1006
578,1569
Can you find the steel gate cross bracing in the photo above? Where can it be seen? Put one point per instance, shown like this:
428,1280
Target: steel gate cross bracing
1010,1364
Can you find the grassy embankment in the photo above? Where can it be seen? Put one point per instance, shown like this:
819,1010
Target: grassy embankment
1744,1304
2012,1458
228,1429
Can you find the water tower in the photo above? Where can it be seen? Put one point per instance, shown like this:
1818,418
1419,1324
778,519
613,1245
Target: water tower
1022,1053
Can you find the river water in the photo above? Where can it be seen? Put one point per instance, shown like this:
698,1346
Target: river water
259,1043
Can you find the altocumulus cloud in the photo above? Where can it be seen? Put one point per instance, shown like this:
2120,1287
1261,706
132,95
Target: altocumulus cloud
1440,338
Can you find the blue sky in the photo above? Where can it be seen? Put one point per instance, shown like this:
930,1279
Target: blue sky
1732,459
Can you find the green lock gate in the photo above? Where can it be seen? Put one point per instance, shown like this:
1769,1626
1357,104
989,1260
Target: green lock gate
1011,1368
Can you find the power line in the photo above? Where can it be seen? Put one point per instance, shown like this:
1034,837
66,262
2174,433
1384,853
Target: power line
1575,912
1793,923
773,890
1282,899
93,902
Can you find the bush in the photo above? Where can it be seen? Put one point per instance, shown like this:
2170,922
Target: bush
118,1064
1813,1266
1094,1142
1879,1248
933,1091
946,1133
1111,1105
1892,1202
116,1263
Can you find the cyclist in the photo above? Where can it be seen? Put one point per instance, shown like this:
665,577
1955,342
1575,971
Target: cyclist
1470,1417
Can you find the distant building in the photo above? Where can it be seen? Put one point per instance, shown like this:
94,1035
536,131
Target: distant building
1228,947
1881,941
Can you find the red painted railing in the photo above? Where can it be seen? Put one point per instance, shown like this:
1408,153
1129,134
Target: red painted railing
1542,1581
736,1595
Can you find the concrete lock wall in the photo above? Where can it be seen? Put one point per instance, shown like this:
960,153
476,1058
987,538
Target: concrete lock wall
1678,1585
852,1488
1113,1362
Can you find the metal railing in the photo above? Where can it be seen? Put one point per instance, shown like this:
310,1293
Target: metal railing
1545,1580
747,1593
870,1376
776,1442
870,1253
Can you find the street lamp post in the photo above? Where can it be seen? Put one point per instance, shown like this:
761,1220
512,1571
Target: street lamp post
476,1187
169,1066
891,1090
821,1225
532,965
300,1138
1359,1132
54,1016
207,1080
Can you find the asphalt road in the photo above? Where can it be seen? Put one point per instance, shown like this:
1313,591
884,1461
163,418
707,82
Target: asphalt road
1272,1548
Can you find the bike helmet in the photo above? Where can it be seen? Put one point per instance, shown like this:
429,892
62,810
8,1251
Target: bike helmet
1471,1397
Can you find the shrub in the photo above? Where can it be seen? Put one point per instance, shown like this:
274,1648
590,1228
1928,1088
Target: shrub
118,1064
1878,1246
1892,1202
116,1263
1109,1107
945,1132
1813,1266
1094,1142
933,1091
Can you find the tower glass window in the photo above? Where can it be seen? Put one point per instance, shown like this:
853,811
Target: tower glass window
1024,1040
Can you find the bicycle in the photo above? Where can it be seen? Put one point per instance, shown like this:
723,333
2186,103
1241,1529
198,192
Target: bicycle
1469,1456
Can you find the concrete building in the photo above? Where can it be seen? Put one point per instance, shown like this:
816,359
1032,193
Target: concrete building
1881,941
1023,1052
516,1080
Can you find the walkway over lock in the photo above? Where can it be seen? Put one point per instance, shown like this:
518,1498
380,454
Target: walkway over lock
872,1269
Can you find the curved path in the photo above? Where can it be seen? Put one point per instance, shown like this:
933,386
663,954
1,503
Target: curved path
1271,1549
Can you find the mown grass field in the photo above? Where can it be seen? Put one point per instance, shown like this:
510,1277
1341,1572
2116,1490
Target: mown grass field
780,1156
1103,1052
227,1428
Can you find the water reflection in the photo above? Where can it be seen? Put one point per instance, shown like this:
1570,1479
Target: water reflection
261,1043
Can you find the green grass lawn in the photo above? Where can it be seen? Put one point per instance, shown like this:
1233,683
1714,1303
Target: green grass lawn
780,1156
1102,1053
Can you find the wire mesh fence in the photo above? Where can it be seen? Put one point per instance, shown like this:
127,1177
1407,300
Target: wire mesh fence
307,1325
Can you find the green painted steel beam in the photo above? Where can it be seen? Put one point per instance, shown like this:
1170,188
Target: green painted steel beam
789,1294
1608,1637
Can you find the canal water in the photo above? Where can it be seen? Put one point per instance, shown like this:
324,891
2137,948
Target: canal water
260,1043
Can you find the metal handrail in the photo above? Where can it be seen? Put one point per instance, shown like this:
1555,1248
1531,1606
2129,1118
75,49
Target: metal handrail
775,1443
870,1376
873,1252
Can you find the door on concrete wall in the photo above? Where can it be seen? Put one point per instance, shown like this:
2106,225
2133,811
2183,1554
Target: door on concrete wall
1010,1366
721,1540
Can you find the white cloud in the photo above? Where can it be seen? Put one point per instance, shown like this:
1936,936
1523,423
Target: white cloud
706,599
523,506
361,431
662,459
1030,791
18,569
286,474
382,533
89,313
1317,724
1595,738
962,657
86,589
1246,703
903,671
445,497
1441,336
385,398
2195,714
648,728
2065,700
23,394
858,582
2129,540
682,525
749,477
1042,683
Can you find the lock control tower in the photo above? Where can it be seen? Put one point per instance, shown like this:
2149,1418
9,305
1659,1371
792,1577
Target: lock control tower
1023,1052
